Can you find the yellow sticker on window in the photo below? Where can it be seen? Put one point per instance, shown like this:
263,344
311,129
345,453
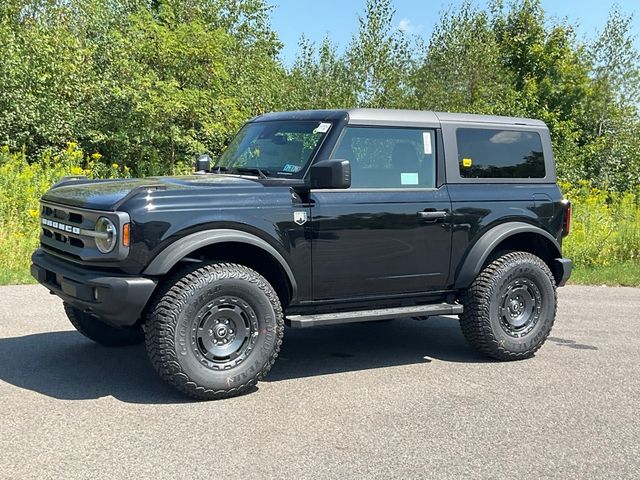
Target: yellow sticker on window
467,162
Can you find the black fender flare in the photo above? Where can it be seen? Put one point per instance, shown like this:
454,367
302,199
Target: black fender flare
171,255
478,254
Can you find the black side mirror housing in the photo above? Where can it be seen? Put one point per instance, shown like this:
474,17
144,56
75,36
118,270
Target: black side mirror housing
203,163
331,174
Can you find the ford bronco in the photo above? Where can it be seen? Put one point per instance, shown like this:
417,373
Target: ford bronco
315,218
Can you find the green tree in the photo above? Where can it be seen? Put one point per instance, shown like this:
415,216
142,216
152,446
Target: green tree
146,83
166,97
379,57
372,72
45,76
461,69
611,120
320,78
550,73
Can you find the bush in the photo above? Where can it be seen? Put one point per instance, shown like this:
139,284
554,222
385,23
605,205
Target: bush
22,183
605,227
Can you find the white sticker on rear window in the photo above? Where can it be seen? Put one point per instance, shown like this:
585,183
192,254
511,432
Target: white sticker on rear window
409,178
322,128
426,140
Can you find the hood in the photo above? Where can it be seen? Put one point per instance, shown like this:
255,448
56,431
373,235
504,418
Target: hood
108,194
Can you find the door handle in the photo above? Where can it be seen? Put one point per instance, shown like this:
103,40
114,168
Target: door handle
433,214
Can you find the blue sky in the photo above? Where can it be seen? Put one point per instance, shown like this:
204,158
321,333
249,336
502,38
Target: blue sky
338,19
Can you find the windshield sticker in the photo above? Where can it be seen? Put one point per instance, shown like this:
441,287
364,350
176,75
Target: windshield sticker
291,168
426,140
322,128
467,162
409,178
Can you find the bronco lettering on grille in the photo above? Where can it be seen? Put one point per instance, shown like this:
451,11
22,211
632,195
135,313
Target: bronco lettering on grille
60,226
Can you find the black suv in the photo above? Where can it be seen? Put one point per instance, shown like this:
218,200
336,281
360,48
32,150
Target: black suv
315,218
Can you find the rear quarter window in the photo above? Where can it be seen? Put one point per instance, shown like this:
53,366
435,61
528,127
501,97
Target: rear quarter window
497,153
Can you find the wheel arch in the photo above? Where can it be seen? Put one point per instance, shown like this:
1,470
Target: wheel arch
233,246
509,236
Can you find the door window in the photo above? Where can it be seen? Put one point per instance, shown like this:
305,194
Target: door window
389,157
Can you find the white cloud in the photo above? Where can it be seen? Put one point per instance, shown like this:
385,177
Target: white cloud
407,26
506,136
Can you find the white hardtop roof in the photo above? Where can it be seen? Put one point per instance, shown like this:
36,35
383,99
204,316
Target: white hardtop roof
381,116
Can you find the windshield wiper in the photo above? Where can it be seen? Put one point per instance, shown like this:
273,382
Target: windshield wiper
221,169
263,173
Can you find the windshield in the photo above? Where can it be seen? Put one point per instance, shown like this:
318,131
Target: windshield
282,148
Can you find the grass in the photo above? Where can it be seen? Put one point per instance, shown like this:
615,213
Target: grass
622,274
16,250
16,277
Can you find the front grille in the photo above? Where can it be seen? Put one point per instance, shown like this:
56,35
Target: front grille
61,214
70,232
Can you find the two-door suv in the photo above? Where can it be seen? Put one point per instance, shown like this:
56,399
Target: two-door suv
315,218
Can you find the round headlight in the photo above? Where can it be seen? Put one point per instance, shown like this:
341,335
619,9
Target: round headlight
106,237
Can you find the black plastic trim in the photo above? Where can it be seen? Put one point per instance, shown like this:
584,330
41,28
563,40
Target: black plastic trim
489,241
564,267
179,249
121,298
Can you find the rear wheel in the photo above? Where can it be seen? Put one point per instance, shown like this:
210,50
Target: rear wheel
215,330
510,307
95,329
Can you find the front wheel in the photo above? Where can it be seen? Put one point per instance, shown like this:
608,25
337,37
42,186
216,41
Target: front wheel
510,307
214,331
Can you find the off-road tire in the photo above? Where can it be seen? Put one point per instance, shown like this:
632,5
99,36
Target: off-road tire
181,341
485,321
95,329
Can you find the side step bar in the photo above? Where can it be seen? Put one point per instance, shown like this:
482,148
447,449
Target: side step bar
304,321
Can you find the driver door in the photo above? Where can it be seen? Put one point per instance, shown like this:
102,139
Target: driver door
390,233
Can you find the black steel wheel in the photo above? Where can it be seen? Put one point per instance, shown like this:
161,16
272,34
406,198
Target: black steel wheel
520,306
214,331
510,307
224,332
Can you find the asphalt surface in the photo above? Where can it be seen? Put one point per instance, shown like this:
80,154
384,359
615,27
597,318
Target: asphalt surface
403,399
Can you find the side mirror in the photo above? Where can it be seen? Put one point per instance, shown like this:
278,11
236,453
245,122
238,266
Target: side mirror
331,174
203,163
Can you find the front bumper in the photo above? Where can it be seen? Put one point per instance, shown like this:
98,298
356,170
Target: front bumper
115,299
563,268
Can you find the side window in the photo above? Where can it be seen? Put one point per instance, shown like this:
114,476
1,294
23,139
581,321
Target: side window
490,153
389,157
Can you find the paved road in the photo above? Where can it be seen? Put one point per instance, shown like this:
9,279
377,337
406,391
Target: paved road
403,400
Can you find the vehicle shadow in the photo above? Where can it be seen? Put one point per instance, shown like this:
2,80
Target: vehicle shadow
65,365
364,346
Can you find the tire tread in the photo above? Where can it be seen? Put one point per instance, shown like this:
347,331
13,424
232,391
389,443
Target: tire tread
162,319
475,322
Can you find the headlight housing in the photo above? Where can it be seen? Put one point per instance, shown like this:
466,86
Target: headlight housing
106,235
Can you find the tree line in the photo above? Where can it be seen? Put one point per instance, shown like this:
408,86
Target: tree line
147,84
